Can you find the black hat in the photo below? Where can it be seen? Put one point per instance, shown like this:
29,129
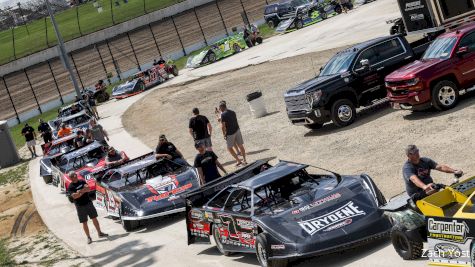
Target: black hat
199,143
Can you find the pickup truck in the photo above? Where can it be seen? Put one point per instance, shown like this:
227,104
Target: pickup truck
446,70
352,78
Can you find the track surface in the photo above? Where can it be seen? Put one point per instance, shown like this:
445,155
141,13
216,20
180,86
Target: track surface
163,242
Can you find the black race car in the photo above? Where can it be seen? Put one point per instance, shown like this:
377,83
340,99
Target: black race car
129,88
52,151
284,212
144,188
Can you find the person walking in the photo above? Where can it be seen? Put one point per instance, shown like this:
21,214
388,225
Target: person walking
200,129
79,191
232,133
217,112
45,131
168,150
207,164
98,133
30,137
90,103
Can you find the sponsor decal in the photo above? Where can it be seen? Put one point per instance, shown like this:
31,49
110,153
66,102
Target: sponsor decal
246,236
245,224
333,218
452,231
196,215
413,5
277,247
338,225
169,193
447,251
316,203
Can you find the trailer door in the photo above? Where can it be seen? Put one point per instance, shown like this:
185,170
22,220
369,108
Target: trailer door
416,15
454,8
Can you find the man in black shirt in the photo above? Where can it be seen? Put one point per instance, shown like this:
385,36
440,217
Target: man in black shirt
200,129
79,191
416,173
30,137
80,140
232,133
115,157
207,164
45,131
168,150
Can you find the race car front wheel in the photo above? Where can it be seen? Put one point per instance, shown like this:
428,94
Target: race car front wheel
237,48
299,24
405,245
217,240
262,252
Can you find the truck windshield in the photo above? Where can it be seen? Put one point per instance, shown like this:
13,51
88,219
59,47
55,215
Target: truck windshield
440,48
338,64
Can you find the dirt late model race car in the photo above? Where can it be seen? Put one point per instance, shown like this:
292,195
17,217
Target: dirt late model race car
128,89
221,49
445,220
52,151
78,121
144,188
284,212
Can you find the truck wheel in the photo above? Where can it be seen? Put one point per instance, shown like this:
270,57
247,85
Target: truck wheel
404,245
48,179
314,126
445,95
262,253
271,24
299,24
217,240
343,112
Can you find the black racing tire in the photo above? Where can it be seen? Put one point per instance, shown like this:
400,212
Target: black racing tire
324,15
314,126
175,70
271,24
262,252
129,226
102,97
405,246
48,179
445,95
217,241
211,57
259,40
237,48
299,24
338,9
343,112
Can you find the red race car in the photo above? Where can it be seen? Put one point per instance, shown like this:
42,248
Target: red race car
52,151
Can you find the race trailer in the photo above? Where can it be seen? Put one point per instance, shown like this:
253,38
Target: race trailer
429,16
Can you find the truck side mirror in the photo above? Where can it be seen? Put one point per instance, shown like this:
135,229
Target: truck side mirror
462,51
365,67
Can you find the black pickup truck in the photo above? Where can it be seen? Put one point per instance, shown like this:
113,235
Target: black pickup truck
352,78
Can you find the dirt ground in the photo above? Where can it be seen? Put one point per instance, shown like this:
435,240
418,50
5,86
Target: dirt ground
29,241
373,145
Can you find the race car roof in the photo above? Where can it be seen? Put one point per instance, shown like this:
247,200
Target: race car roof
64,139
272,174
80,113
135,166
81,151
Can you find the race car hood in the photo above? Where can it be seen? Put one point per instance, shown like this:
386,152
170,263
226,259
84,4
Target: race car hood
125,88
195,61
319,82
412,70
347,212
158,193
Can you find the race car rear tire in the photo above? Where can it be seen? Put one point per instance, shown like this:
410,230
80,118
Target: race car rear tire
217,240
324,15
262,252
299,24
406,246
259,40
338,9
343,112
48,179
129,225
211,57
314,126
237,48
445,95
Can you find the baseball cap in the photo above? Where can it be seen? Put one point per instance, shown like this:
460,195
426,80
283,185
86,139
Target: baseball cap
199,143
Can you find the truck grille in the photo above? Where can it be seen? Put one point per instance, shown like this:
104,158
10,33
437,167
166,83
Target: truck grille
296,103
399,92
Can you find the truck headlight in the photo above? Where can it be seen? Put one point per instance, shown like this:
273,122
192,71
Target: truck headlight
314,97
412,82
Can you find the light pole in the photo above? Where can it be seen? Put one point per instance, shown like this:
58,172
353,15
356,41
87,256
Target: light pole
62,51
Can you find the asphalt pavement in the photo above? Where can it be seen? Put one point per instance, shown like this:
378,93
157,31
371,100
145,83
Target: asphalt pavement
162,242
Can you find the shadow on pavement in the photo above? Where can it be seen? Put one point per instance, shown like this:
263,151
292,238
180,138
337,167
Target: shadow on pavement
465,102
132,253
257,151
111,238
362,118
151,225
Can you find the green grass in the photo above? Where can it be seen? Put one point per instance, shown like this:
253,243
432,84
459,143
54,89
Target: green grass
40,34
15,131
13,175
266,31
5,257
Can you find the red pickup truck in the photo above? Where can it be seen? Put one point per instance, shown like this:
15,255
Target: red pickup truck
445,71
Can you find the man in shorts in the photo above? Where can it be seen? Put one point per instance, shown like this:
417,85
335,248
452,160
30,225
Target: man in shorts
30,137
232,133
79,191
200,129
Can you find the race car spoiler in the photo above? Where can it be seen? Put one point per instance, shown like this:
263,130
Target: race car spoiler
97,175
